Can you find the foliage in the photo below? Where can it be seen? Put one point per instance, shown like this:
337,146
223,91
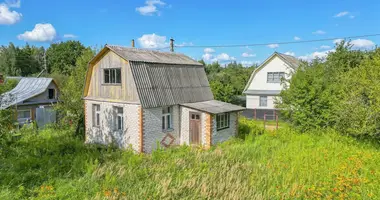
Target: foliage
21,61
316,88
265,165
71,105
61,57
5,120
227,83
358,112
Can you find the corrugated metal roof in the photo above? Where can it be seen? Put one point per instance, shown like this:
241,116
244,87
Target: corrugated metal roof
144,55
214,106
25,89
262,92
169,84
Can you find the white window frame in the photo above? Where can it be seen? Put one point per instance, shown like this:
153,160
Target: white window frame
222,121
167,118
96,118
275,77
261,101
118,117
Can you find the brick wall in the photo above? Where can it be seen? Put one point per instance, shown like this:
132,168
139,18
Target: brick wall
152,127
225,134
105,134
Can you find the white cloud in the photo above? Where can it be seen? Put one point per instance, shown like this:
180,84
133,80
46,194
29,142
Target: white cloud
224,57
185,44
69,36
341,14
297,38
352,16
40,33
272,46
319,32
325,47
207,57
209,50
358,43
7,16
150,8
249,63
152,41
362,44
289,53
247,55
317,54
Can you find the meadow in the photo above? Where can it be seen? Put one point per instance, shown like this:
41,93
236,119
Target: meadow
257,164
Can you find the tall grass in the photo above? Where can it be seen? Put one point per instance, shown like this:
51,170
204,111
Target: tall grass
258,165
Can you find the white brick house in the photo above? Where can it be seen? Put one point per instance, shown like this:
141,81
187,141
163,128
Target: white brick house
143,99
265,84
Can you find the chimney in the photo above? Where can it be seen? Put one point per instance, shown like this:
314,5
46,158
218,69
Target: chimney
171,44
133,43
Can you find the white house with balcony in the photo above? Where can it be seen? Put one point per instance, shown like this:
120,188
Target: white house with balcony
265,84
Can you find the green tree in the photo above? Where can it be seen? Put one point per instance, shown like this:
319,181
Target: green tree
62,57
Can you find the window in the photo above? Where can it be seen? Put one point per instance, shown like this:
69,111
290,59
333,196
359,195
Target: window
96,115
167,118
222,121
51,93
119,119
23,114
263,101
112,76
275,77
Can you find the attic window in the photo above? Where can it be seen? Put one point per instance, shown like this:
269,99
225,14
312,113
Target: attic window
275,77
112,76
51,93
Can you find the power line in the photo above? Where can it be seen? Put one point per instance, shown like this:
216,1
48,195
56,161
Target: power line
282,43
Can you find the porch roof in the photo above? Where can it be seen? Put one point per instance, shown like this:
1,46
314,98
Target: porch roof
214,106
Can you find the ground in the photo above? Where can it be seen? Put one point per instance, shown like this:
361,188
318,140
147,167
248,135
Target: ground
259,164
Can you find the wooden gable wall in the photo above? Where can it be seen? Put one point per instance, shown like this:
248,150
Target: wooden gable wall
96,89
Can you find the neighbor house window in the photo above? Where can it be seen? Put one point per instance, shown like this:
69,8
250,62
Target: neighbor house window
222,121
112,76
167,118
263,101
119,118
23,114
96,115
275,77
51,93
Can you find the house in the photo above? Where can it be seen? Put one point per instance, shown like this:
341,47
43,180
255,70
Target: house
33,99
265,84
145,99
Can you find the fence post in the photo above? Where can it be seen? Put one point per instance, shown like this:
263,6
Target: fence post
254,113
265,117
276,121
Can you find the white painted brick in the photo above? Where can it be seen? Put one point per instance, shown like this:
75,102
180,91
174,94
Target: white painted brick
225,134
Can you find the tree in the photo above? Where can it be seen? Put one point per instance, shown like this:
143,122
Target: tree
62,57
71,104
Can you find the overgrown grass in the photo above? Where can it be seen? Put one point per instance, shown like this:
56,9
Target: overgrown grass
264,165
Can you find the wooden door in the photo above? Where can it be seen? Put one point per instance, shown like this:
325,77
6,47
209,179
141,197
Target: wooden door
195,128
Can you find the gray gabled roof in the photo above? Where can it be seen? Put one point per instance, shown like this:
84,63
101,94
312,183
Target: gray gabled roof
150,56
290,60
25,89
167,84
214,106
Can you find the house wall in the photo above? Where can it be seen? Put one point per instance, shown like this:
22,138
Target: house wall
152,128
185,125
253,102
126,91
45,95
105,134
224,134
259,81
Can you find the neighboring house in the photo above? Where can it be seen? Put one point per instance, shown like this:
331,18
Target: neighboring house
32,98
144,99
265,84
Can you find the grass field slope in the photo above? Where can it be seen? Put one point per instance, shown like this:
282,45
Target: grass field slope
259,164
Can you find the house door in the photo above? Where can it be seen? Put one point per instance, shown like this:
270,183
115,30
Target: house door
195,128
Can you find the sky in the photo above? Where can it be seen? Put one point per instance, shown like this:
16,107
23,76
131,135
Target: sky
194,23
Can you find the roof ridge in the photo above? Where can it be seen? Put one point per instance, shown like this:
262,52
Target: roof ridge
142,49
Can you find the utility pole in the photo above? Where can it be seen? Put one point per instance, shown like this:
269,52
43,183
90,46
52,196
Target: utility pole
171,44
45,66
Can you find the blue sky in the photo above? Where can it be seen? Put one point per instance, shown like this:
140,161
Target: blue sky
194,23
